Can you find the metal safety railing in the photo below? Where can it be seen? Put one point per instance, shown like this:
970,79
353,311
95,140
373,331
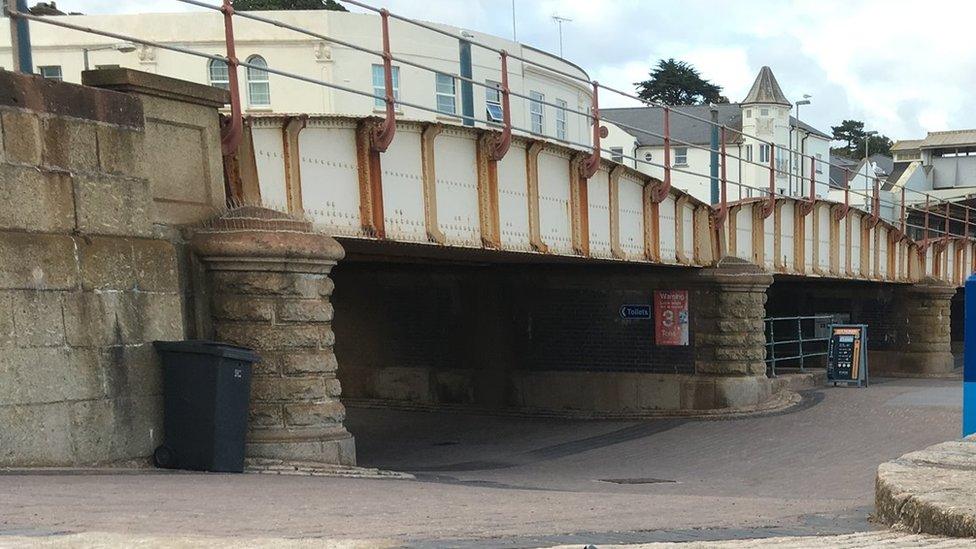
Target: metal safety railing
794,340
927,218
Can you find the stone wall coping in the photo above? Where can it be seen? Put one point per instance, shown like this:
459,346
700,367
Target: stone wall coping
735,271
252,244
41,95
145,83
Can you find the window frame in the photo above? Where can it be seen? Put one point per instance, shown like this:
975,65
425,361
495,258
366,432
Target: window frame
42,68
617,154
764,153
493,88
561,119
222,84
678,155
537,110
380,91
253,82
747,152
438,94
819,157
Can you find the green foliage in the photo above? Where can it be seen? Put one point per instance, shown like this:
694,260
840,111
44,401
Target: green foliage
852,133
878,144
254,5
678,83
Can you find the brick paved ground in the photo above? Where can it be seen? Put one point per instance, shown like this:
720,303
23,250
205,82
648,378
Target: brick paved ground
486,481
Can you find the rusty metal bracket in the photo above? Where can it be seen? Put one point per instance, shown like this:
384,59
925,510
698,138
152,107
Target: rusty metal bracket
503,142
807,205
841,213
592,163
383,134
662,191
875,206
231,130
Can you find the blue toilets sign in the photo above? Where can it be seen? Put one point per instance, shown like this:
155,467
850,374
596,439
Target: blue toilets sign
969,361
635,312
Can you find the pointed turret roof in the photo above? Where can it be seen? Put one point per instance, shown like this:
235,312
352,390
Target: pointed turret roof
766,90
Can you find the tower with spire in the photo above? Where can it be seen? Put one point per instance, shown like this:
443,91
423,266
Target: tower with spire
766,118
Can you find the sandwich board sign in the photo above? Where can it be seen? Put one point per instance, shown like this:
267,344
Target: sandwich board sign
847,355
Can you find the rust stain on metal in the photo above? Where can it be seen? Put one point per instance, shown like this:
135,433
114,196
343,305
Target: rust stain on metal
370,180
652,228
292,162
532,195
579,206
429,175
613,188
487,170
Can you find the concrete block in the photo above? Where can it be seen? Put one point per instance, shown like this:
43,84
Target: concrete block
264,336
741,391
69,144
7,333
405,384
156,265
314,414
132,370
49,374
113,205
39,261
454,386
658,392
38,318
273,389
122,151
120,318
106,263
35,200
339,450
21,137
698,393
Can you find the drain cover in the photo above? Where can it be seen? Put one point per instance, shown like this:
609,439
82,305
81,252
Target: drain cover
644,480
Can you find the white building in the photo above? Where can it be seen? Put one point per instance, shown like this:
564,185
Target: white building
764,114
59,53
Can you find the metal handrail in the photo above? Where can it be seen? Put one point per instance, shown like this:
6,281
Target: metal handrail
771,342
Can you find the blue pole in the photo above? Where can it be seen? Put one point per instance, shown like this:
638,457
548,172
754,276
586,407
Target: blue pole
969,361
20,35
467,91
714,156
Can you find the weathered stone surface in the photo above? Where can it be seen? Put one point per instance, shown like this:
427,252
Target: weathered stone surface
21,137
275,337
49,374
308,361
265,415
237,307
271,389
122,151
314,414
40,261
38,319
272,283
113,205
931,491
106,263
35,200
119,318
303,310
69,144
7,333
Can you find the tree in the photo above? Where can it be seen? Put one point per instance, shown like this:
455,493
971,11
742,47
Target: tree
851,132
254,5
678,83
879,144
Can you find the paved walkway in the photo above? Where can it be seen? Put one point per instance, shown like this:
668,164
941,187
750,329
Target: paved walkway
488,481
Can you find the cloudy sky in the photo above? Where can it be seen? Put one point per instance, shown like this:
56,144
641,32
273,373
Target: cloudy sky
902,66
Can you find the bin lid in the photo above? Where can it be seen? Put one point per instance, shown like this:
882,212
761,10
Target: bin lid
205,347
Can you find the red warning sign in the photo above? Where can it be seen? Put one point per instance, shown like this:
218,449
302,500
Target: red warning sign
671,317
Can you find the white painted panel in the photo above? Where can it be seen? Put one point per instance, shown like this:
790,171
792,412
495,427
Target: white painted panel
928,261
269,158
808,242
824,238
554,214
403,189
843,250
666,223
769,249
457,188
631,198
743,233
855,250
688,225
330,178
513,200
950,261
883,250
598,198
788,235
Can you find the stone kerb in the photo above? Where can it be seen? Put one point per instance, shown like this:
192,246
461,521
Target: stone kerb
269,289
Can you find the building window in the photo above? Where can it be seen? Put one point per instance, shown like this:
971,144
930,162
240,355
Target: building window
445,92
781,163
764,153
493,101
748,113
536,112
379,85
648,157
218,74
748,152
51,72
561,119
680,156
617,154
763,112
258,86
819,163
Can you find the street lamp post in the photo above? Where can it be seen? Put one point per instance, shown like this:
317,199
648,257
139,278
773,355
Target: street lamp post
123,47
804,101
867,163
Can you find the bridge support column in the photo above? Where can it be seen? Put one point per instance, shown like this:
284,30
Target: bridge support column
729,336
268,286
920,327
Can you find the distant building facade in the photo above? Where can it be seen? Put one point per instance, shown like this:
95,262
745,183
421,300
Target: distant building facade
552,110
763,116
943,164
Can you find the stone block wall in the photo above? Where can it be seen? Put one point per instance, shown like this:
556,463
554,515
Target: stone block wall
85,283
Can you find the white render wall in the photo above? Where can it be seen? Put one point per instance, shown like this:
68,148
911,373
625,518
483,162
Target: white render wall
314,58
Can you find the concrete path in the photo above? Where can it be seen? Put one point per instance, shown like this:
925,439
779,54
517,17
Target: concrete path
489,481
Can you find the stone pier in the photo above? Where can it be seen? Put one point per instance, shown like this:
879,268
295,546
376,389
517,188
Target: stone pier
919,341
729,336
269,289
